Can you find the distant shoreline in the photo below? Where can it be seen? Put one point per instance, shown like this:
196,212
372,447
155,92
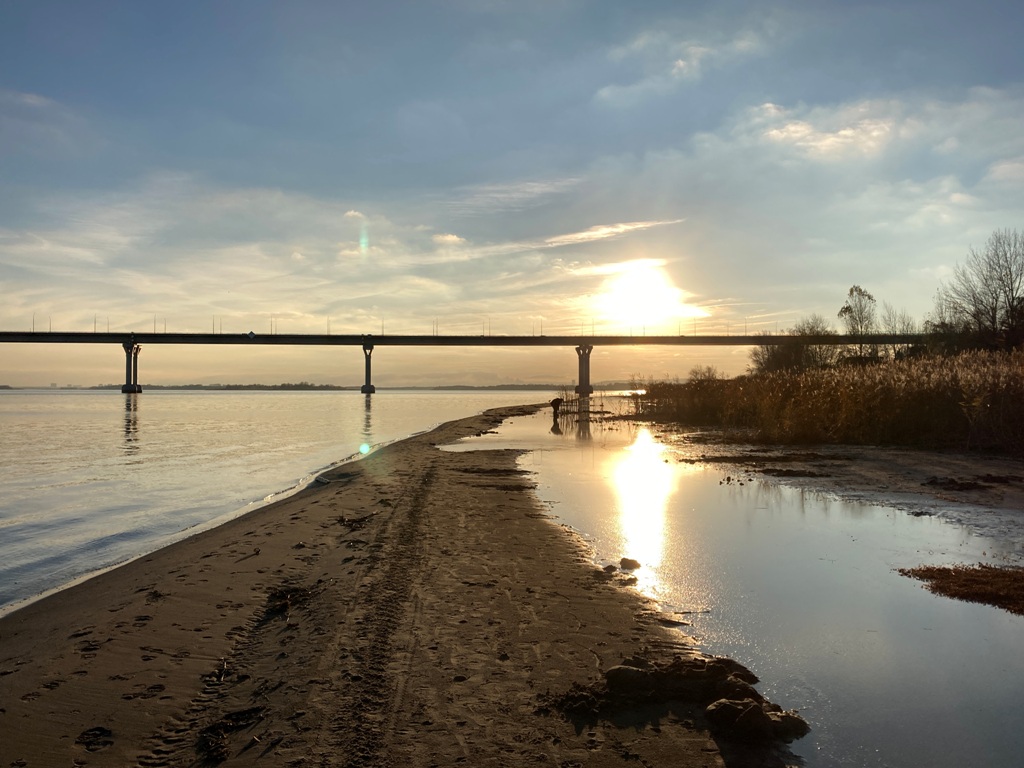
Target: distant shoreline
308,387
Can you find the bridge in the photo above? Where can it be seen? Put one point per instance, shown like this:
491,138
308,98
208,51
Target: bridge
584,345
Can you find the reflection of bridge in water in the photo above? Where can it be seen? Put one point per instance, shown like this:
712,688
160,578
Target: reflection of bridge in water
584,345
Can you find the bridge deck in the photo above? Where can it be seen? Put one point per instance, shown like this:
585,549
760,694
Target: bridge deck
315,339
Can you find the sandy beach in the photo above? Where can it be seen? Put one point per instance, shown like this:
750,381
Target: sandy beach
413,608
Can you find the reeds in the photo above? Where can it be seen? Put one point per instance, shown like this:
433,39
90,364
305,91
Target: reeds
971,401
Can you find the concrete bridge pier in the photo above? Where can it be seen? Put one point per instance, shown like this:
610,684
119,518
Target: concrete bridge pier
367,388
131,367
583,389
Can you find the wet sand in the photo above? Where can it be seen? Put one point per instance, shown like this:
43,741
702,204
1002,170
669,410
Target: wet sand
982,492
415,609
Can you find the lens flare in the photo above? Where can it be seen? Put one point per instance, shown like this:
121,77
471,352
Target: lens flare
364,238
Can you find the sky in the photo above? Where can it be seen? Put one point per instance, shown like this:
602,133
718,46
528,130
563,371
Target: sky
488,167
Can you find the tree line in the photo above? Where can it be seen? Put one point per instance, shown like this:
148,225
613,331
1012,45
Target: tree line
981,307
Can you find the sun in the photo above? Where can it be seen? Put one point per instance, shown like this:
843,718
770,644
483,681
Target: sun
640,294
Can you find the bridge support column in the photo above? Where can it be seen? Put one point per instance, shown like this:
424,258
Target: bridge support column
131,367
367,388
583,389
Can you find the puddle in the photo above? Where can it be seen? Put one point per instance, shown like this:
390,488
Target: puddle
801,587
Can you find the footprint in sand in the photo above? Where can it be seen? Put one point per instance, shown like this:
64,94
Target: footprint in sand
87,648
144,692
95,739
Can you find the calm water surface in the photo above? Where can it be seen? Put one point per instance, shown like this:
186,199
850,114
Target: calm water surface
92,478
800,587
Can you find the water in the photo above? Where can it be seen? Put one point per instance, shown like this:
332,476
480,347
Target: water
802,588
92,478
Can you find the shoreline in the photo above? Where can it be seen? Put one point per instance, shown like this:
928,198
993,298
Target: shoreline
418,607
194,530
163,481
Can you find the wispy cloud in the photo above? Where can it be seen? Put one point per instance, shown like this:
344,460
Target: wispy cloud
35,124
489,199
1011,170
604,232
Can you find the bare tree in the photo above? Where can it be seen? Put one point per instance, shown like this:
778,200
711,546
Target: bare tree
897,322
986,293
792,354
817,355
704,373
768,358
858,314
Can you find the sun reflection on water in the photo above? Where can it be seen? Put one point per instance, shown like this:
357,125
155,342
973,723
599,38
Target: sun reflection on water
644,482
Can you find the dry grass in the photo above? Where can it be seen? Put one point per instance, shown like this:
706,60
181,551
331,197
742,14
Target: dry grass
988,584
972,401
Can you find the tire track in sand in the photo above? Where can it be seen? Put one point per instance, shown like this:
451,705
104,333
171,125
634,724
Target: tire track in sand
358,732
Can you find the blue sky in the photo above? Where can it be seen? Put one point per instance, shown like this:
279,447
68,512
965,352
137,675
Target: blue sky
488,166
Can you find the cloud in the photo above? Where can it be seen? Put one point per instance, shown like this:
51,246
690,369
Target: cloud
658,62
1010,170
604,232
979,123
489,199
33,123
852,135
448,239
176,247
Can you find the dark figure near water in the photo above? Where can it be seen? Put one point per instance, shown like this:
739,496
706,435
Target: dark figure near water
556,405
